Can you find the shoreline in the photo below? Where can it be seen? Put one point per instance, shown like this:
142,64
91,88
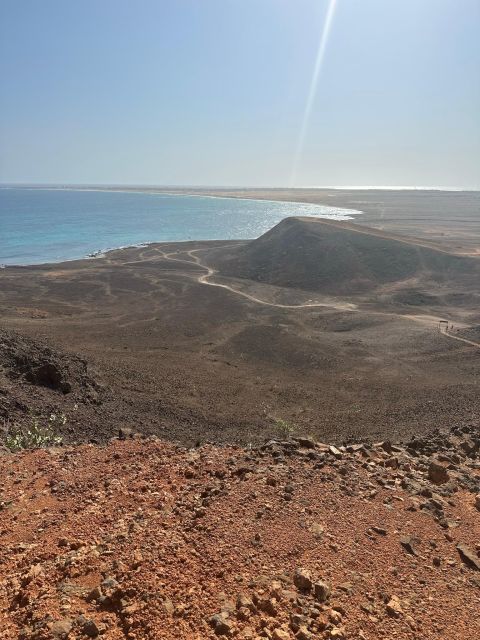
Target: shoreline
175,189
447,218
102,253
177,194
335,214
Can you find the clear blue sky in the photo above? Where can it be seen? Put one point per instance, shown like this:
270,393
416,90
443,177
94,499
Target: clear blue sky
214,92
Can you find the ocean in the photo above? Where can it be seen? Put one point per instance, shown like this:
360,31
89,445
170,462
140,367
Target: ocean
52,225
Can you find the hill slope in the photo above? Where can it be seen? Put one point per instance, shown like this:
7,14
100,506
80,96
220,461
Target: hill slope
338,258
294,540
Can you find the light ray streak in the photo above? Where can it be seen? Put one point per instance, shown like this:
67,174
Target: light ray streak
313,88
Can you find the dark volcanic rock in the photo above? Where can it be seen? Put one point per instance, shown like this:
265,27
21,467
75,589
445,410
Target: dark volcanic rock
40,365
50,375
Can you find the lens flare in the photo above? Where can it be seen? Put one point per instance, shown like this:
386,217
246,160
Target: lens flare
313,88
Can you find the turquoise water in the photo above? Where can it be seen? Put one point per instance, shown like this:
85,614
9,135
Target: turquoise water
51,225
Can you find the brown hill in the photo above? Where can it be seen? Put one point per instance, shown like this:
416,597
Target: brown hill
341,258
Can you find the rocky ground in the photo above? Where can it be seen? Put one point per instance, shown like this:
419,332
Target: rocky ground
141,539
135,339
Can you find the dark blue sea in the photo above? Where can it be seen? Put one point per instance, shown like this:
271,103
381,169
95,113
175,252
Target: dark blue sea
52,225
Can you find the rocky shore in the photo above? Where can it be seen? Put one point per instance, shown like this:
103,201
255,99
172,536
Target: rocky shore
291,539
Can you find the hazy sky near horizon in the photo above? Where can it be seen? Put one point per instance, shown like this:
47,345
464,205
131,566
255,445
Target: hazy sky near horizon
215,92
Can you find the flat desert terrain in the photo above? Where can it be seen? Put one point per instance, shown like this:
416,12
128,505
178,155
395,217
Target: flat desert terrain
328,329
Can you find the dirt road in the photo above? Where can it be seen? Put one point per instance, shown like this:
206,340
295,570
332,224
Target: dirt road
204,279
444,331
341,306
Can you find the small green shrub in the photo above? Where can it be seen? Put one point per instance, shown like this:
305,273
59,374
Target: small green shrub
285,429
36,436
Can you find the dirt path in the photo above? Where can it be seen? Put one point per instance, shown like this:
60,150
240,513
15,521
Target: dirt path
444,331
342,306
204,279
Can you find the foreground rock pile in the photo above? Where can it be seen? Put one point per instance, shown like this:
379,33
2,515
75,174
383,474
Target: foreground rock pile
37,380
291,540
42,366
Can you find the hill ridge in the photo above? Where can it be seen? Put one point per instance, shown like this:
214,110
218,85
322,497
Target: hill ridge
341,258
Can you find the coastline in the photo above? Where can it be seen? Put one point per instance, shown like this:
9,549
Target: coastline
158,191
325,212
177,189
448,218
103,253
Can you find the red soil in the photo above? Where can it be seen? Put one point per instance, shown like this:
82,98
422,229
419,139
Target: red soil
149,541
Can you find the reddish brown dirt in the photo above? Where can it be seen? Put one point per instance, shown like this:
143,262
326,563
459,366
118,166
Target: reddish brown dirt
178,535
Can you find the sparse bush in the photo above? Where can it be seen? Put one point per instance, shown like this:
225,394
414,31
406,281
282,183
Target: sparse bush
285,429
35,436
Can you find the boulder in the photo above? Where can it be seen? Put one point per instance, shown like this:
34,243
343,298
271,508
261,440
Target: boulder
394,608
61,629
302,579
408,543
437,473
220,624
468,556
322,591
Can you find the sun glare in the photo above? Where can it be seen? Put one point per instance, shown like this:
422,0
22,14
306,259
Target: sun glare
313,89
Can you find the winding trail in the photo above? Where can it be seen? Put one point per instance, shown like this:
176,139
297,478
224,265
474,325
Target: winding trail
444,331
204,279
341,306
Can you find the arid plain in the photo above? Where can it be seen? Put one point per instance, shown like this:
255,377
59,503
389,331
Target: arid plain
355,355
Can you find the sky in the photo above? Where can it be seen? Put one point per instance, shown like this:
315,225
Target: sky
240,92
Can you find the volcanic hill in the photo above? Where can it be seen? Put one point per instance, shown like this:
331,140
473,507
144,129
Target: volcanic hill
343,259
